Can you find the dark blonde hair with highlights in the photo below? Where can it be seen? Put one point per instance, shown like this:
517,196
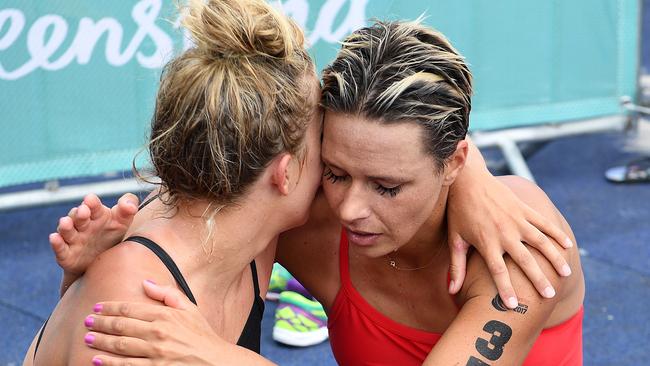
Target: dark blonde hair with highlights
227,106
403,72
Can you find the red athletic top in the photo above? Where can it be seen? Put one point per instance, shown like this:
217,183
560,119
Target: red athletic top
361,335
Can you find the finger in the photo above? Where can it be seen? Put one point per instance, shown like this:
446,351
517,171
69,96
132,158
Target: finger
133,310
119,345
497,267
525,260
125,209
458,265
82,217
105,360
94,204
119,326
168,295
66,229
72,213
546,226
541,242
59,247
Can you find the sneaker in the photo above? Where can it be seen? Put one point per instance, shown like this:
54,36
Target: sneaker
294,286
299,321
279,278
637,171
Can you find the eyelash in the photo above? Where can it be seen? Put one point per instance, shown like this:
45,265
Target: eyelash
392,192
329,175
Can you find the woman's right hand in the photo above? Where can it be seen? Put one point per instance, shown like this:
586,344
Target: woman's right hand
90,229
148,334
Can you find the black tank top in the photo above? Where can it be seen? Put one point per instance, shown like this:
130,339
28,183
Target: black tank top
250,336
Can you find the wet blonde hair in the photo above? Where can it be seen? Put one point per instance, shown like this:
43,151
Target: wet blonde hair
227,106
403,71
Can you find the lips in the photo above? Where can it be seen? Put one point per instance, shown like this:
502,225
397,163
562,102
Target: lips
362,238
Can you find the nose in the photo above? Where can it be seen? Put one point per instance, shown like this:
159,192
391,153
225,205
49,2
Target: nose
354,206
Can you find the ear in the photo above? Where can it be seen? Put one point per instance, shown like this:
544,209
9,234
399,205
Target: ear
455,163
281,173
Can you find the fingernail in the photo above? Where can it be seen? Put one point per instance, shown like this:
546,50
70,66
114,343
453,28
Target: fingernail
150,281
566,271
89,338
549,292
89,321
131,202
451,286
568,243
98,308
97,361
512,302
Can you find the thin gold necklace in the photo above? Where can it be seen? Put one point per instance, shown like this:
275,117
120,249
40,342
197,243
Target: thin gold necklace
393,263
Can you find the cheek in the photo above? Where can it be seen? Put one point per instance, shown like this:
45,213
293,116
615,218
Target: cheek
333,193
406,215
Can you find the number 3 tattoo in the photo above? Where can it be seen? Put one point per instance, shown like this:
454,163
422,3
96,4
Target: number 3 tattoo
492,349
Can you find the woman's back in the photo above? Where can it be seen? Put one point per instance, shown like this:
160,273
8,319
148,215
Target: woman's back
117,275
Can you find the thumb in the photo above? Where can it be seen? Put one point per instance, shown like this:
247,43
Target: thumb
458,248
168,295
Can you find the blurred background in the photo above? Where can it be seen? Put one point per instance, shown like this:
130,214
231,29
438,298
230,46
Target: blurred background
560,94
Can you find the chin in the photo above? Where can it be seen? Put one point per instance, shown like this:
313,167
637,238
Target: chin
371,251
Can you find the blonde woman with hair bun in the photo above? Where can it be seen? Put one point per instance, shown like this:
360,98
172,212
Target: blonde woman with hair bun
223,140
236,142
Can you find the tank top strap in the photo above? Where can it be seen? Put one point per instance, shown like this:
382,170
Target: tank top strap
256,284
167,261
148,201
344,261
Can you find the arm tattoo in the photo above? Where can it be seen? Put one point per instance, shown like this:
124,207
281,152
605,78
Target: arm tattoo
491,349
498,304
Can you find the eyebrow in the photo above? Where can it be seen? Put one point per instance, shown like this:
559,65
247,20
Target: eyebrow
372,177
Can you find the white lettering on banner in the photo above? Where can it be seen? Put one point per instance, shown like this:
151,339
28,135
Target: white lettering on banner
322,30
15,27
145,13
355,19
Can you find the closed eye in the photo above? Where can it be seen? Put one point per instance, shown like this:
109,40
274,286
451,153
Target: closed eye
391,191
329,175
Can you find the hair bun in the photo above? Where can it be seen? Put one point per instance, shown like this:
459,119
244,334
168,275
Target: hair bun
241,28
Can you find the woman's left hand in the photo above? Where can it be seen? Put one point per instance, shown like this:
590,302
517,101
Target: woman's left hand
484,212
146,334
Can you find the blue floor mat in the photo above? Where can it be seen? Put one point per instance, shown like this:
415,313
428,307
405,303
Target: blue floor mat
611,223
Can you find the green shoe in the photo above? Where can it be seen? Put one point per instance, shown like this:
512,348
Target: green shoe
299,322
279,279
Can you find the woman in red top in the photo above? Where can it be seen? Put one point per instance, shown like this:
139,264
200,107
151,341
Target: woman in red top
397,101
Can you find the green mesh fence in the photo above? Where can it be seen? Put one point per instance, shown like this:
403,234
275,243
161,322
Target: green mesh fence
78,78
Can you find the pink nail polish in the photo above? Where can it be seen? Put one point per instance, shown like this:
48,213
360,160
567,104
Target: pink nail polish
89,321
89,338
97,361
98,308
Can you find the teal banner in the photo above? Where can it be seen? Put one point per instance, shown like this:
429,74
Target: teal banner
78,77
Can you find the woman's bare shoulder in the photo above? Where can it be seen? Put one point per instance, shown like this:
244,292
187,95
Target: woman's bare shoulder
115,275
